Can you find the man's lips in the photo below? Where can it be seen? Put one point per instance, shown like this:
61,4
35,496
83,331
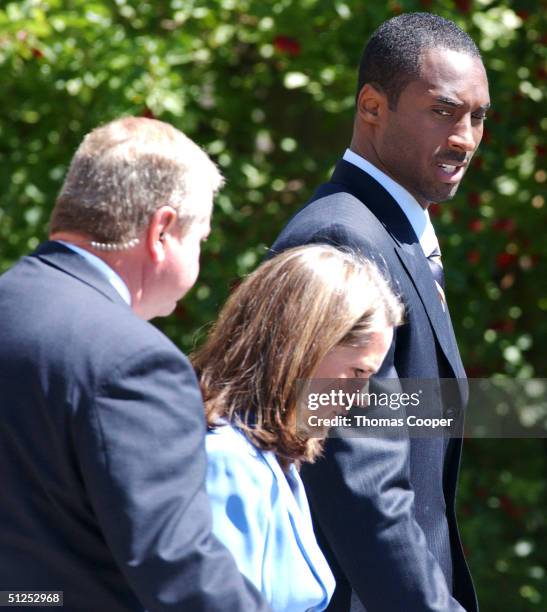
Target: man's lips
450,171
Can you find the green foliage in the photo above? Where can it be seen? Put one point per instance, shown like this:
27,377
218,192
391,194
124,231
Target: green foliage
268,89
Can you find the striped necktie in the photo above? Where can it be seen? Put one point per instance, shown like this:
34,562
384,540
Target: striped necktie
436,266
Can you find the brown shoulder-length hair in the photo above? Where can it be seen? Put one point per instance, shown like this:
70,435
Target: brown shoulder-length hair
275,328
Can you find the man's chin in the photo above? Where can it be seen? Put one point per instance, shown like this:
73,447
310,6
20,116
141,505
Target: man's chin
158,312
442,194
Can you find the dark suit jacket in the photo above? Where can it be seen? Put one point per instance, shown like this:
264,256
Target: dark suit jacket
384,507
102,459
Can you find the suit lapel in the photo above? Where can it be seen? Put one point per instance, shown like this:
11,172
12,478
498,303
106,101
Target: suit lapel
61,257
408,250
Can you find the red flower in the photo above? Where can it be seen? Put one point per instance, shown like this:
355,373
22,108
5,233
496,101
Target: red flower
475,226
464,6
434,210
287,44
180,311
503,225
474,256
510,508
148,113
523,14
476,371
504,260
481,492
502,325
474,199
37,53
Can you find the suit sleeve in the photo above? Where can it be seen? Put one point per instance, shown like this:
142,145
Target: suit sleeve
140,444
240,504
371,528
362,498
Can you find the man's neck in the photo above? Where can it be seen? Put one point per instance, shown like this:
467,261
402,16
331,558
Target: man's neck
416,215
112,259
368,152
75,238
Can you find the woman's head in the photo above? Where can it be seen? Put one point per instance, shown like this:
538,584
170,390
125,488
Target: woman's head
279,326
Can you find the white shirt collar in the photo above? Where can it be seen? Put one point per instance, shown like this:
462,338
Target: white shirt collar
416,215
113,277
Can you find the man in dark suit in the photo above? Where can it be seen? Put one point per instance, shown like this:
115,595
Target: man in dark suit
102,459
384,507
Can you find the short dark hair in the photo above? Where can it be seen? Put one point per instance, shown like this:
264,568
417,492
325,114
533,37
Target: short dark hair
392,56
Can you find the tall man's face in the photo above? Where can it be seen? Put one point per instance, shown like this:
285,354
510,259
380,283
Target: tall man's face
426,144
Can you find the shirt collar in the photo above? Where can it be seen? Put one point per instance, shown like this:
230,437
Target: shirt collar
416,215
113,277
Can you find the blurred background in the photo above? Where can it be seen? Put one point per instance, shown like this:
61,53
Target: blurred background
267,88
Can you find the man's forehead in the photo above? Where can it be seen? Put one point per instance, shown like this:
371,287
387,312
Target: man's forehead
452,76
439,63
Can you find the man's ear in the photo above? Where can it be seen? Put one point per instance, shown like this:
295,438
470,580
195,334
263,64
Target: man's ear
371,104
161,222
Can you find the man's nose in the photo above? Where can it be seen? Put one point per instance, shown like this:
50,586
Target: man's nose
464,137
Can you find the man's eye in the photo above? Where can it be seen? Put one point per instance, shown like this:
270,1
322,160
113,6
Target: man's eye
442,111
479,117
358,373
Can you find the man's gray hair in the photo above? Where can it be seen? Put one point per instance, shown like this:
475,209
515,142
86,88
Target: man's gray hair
124,171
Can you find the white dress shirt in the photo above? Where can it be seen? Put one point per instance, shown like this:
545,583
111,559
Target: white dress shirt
416,215
113,277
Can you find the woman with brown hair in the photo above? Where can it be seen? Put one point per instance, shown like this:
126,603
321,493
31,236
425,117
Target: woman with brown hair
311,312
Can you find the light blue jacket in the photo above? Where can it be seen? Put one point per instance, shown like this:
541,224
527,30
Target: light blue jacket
265,522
